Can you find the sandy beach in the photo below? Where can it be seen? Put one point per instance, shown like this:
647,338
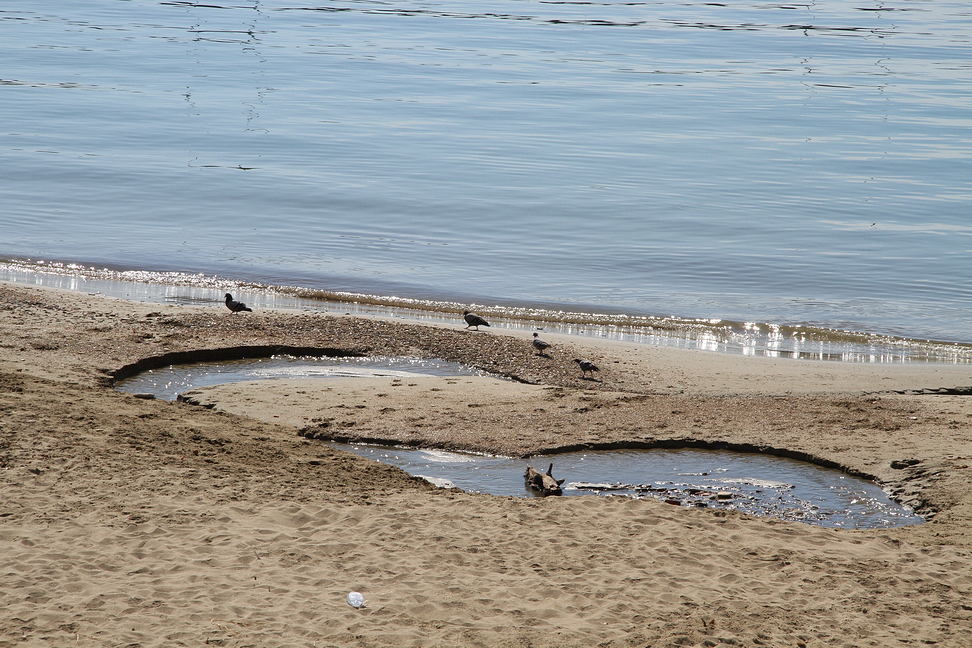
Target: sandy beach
127,521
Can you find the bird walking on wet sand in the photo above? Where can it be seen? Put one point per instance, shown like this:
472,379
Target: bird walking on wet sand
586,365
540,345
472,319
236,306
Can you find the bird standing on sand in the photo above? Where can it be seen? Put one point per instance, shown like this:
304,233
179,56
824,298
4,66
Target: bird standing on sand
235,306
540,345
586,365
472,319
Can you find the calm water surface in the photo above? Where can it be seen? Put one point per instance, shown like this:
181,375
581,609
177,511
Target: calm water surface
752,483
168,382
760,164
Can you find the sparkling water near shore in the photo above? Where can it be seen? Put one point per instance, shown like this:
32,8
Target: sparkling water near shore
745,338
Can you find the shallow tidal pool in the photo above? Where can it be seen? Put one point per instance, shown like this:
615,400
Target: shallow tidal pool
754,483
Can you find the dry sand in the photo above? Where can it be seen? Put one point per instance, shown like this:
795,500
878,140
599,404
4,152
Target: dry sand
133,522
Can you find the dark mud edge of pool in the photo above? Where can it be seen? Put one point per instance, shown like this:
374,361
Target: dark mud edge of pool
228,354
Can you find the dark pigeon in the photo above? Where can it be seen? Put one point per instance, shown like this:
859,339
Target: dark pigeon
472,319
235,306
540,345
586,365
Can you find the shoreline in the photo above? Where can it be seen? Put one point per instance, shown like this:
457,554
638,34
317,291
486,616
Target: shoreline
793,341
128,520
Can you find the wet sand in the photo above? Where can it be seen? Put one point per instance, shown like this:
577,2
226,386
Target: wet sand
128,521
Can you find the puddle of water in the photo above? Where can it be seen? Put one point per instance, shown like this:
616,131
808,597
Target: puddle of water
717,479
798,490
168,382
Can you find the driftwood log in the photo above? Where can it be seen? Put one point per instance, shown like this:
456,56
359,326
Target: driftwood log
542,484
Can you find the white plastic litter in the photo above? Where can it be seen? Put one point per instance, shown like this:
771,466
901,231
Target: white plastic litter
355,599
